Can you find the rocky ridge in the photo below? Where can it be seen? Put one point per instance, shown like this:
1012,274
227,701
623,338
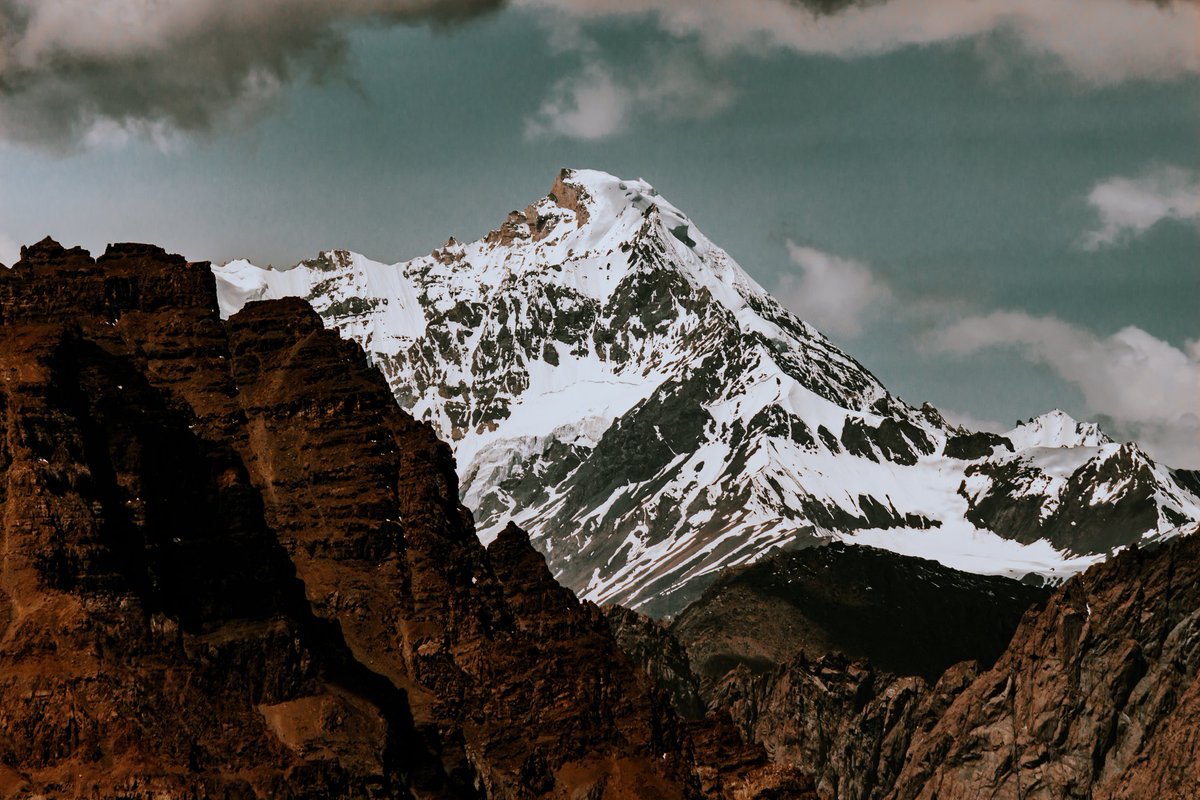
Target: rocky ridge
904,615
615,383
1098,695
1095,695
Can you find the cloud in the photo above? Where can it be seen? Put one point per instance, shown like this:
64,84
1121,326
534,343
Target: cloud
77,72
601,100
1144,388
106,69
1128,207
590,105
1097,42
835,294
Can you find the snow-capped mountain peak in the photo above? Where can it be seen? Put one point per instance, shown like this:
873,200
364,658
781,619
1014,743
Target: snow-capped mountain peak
582,233
1057,429
619,386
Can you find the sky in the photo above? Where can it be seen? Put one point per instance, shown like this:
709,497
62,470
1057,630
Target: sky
994,205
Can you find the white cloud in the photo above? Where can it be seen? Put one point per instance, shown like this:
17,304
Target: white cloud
1146,388
835,294
601,101
1095,41
1128,207
590,105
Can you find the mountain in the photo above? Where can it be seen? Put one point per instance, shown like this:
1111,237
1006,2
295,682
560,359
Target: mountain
209,587
616,384
231,566
837,657
909,616
893,678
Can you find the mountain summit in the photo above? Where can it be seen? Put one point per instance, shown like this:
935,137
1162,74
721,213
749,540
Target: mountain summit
1057,429
619,386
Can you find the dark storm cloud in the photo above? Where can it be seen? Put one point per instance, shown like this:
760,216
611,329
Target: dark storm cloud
77,70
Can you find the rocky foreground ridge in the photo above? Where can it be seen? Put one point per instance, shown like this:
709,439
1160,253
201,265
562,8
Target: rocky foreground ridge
1093,693
231,566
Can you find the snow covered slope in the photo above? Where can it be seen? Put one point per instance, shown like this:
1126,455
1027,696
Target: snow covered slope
618,385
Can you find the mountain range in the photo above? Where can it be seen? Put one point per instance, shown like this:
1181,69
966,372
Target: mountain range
616,384
232,566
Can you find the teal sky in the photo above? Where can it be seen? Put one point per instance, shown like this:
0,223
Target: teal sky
938,208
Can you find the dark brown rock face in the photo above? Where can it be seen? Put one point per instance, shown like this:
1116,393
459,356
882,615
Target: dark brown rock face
153,635
230,566
908,616
730,764
1095,696
849,724
649,643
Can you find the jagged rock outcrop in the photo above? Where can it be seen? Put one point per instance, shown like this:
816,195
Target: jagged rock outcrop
730,763
1096,695
153,636
665,660
231,566
848,723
